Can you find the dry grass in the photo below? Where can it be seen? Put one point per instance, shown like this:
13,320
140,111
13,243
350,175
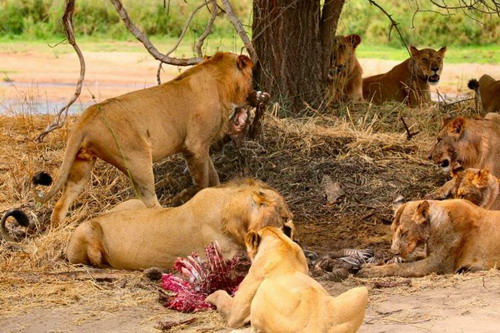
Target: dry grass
364,149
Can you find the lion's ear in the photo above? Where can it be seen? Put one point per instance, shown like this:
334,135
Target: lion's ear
414,51
355,40
243,62
252,241
288,229
481,178
260,198
423,212
442,51
457,126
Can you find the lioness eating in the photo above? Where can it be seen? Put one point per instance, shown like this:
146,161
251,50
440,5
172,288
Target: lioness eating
346,72
185,115
458,236
409,81
132,238
487,93
278,295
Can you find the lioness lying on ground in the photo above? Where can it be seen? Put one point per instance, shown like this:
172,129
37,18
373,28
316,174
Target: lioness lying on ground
278,295
458,236
131,238
487,93
409,81
346,72
185,115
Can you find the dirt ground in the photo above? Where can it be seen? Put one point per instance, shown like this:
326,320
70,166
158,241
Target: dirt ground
368,154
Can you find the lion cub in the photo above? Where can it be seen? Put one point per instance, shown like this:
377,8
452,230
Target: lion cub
278,295
409,81
346,72
478,186
458,236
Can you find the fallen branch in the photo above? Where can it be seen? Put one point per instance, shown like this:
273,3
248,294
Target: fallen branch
391,284
63,112
228,8
409,134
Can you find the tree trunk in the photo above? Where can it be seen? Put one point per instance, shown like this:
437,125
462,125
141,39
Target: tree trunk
293,40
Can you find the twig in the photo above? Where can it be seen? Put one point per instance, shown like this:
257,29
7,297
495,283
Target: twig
208,29
394,24
147,43
409,134
63,112
240,29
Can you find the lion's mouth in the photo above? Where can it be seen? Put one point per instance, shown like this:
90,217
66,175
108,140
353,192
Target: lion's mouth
433,79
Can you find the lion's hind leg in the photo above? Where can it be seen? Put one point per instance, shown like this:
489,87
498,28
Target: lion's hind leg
85,245
78,178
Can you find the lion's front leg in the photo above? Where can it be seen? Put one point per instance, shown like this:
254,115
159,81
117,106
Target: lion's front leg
412,269
443,192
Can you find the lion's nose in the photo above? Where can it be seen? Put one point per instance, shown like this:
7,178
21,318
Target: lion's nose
435,68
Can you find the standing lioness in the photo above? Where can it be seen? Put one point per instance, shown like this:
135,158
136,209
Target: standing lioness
134,130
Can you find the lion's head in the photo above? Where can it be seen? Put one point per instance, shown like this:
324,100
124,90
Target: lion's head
472,185
281,242
411,226
448,151
427,64
344,53
253,206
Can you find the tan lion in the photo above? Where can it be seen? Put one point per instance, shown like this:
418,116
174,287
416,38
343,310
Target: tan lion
185,115
458,236
487,93
133,238
278,295
468,143
409,81
478,186
346,72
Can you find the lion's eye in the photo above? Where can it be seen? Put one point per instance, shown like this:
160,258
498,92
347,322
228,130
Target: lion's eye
404,233
425,60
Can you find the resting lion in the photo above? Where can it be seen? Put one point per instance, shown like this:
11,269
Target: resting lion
346,72
132,238
487,93
458,236
278,295
409,81
185,115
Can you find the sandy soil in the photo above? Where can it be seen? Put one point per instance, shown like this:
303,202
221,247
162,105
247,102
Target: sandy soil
51,78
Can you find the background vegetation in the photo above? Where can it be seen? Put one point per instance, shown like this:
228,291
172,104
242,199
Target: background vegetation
40,19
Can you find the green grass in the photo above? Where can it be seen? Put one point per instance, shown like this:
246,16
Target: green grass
488,54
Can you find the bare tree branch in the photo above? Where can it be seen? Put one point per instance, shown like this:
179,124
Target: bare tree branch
240,29
147,43
394,24
208,29
63,112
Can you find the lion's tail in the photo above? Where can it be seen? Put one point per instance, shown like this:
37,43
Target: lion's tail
473,85
42,178
20,217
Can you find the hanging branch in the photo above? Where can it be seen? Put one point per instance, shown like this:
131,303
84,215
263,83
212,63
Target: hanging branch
63,112
208,29
239,28
147,43
394,24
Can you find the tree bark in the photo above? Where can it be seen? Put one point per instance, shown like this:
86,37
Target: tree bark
293,40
